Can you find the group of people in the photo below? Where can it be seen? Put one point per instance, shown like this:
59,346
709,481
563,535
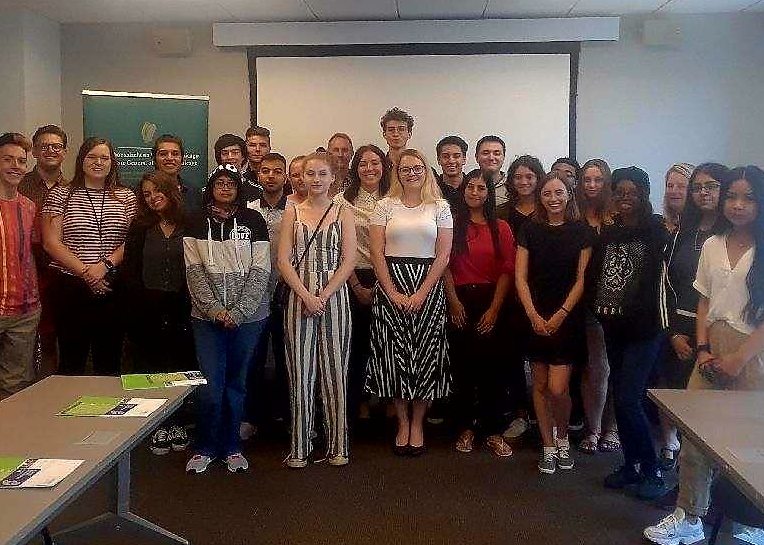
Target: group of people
368,273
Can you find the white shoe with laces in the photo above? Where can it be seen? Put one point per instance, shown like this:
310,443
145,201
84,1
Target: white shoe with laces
236,462
675,529
198,463
518,427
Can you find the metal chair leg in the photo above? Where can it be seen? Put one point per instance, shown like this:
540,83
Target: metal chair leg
46,537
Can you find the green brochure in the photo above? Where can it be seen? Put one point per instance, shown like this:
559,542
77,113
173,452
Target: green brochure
9,465
162,380
91,406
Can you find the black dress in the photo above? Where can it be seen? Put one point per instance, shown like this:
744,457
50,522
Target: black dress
553,256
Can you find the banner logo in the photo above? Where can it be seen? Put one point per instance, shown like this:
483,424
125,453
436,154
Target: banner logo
148,131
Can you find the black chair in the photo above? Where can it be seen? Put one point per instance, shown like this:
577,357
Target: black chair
729,502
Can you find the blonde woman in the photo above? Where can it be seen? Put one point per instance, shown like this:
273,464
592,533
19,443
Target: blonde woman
675,195
410,242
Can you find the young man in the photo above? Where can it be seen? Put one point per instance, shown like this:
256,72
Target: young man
168,158
232,150
489,154
340,147
258,146
273,175
567,167
397,126
49,150
452,155
19,298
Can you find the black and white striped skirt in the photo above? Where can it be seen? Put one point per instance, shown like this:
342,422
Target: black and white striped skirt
409,352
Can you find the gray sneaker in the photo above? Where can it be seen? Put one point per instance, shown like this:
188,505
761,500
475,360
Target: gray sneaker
547,462
564,460
236,463
198,464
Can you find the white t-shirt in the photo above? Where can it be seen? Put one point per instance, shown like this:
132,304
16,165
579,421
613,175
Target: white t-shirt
724,287
411,232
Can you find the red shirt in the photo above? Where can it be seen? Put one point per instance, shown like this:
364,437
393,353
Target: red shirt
18,277
479,264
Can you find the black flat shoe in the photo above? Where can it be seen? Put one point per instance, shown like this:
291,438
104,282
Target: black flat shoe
401,450
416,451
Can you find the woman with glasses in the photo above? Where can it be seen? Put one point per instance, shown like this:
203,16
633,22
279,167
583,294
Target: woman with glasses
625,277
679,298
84,228
410,243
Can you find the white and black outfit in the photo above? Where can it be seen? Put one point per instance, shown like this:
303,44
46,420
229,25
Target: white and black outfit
409,352
94,224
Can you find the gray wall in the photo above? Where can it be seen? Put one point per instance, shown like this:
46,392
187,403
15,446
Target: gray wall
700,101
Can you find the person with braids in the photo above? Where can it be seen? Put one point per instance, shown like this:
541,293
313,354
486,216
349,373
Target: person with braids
478,278
730,335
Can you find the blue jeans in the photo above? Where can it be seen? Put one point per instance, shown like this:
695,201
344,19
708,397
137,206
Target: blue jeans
224,356
631,363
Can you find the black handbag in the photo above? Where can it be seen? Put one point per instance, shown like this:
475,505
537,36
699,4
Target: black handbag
281,292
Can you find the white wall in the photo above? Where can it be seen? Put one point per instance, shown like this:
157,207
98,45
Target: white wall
120,58
703,100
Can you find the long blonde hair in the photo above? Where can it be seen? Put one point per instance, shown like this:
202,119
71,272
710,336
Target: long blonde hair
430,191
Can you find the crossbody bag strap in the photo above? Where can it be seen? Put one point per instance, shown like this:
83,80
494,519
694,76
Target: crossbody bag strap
310,241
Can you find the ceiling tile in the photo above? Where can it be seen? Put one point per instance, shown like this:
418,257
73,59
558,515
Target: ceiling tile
354,10
444,9
705,6
265,11
528,8
585,8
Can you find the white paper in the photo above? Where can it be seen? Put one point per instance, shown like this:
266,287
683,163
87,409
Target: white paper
136,406
40,473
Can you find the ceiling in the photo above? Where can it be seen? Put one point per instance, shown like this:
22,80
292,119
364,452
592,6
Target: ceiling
177,11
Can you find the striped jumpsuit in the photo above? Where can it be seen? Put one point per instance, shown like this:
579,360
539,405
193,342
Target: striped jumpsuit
318,348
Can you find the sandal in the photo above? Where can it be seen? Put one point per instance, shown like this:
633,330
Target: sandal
610,442
466,441
589,443
497,446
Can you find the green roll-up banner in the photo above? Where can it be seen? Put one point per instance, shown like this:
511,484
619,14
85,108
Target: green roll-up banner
132,121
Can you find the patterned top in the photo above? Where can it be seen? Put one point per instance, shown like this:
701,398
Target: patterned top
362,208
95,221
326,249
18,281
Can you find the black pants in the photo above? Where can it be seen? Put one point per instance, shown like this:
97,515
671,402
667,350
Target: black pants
360,345
477,364
631,362
86,323
261,402
517,398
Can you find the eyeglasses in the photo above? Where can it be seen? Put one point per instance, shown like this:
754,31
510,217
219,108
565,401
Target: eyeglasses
222,184
710,187
56,147
391,128
416,169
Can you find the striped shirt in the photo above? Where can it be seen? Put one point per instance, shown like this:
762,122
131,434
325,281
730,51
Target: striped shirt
94,223
18,278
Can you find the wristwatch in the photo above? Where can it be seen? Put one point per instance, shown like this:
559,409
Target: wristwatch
109,265
704,348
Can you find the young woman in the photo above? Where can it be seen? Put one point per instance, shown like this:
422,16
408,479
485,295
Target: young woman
369,182
594,198
299,187
523,176
729,331
678,297
625,280
227,259
84,228
478,279
410,241
316,255
156,296
675,195
552,255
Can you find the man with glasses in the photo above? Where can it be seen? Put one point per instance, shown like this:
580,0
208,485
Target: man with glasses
49,150
397,126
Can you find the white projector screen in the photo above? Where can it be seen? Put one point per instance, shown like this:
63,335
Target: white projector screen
523,98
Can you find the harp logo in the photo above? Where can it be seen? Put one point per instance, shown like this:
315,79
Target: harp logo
148,132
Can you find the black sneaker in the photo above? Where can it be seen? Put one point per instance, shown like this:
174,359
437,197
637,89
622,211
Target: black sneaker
178,438
623,477
668,459
160,442
652,487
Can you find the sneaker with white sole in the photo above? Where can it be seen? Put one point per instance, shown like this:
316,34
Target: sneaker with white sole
675,529
548,460
564,459
198,463
178,438
338,460
247,431
160,442
236,462
296,463
518,427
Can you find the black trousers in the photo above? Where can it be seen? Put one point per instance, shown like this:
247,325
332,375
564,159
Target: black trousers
260,401
86,324
360,345
478,364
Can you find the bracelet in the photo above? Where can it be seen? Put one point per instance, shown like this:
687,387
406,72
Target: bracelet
566,311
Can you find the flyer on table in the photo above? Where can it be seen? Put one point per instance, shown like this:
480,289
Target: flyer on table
35,472
112,407
162,380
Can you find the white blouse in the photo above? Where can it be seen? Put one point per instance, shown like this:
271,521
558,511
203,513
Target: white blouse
411,232
724,287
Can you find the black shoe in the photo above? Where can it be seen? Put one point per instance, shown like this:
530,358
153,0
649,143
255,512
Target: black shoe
160,442
626,475
652,487
400,450
416,451
178,438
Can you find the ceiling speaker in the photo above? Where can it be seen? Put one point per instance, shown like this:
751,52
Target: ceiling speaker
172,42
661,33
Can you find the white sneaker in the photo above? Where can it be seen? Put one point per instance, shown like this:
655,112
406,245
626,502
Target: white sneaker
675,529
236,462
247,431
518,427
198,464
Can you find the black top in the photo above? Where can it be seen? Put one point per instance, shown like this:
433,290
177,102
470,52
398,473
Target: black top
163,265
250,187
553,256
516,219
450,193
624,277
682,256
191,195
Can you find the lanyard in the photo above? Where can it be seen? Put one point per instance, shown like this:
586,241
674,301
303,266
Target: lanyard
98,218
